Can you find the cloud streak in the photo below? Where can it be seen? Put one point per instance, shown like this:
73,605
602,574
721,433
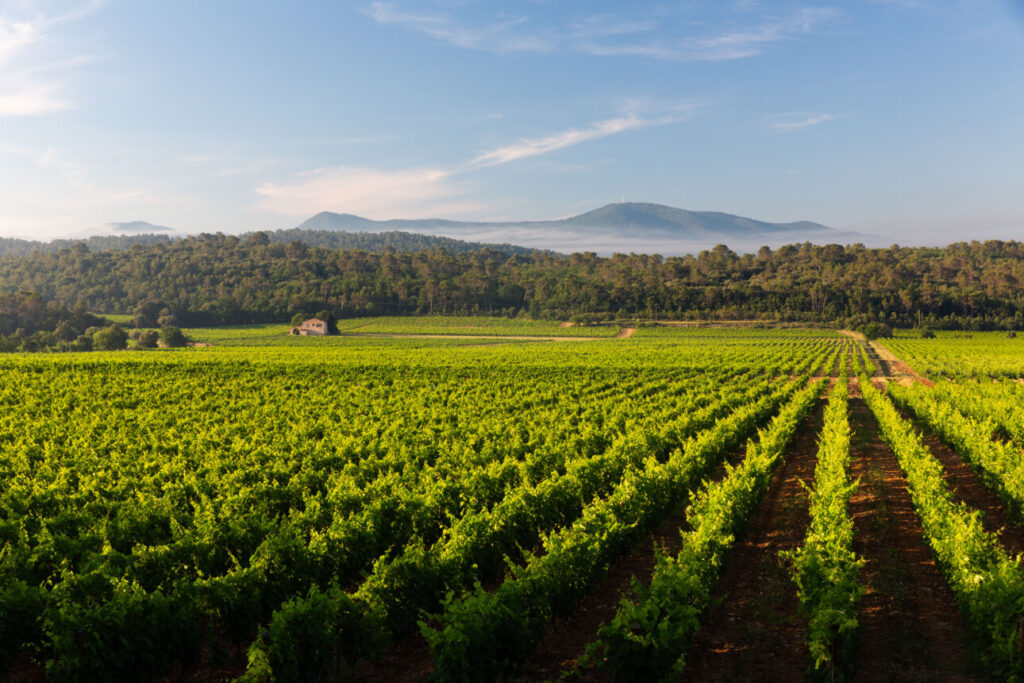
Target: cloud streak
368,192
31,76
530,147
426,191
804,121
496,36
752,42
606,35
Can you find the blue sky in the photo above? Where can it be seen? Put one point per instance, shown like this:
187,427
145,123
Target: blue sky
898,117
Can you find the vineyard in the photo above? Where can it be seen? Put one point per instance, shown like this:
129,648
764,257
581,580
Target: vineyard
481,499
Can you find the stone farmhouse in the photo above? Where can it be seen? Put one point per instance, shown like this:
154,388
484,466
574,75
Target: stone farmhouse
311,327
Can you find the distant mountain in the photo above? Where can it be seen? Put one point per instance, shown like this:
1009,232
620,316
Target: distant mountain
670,221
631,226
628,227
325,220
122,228
135,228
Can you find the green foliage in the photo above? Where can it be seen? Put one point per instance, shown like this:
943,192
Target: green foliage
825,566
875,330
309,636
111,338
222,279
28,323
130,636
21,607
172,337
987,581
147,339
998,464
958,355
153,505
147,313
651,631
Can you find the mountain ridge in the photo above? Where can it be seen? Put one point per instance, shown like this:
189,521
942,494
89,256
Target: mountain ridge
667,229
627,227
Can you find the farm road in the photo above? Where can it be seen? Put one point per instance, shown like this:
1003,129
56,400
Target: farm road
889,367
623,333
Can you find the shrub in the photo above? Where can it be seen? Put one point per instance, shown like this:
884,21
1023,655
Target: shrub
111,338
172,337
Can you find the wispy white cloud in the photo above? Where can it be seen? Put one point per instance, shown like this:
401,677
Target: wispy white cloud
71,172
907,4
225,165
19,98
612,36
59,174
368,192
434,191
15,36
792,123
497,36
32,70
753,41
529,147
418,192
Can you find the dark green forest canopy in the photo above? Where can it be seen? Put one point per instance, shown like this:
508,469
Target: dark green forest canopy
330,239
28,312
214,279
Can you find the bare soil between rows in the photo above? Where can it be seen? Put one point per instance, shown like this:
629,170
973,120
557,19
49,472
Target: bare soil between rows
966,486
566,640
910,627
755,632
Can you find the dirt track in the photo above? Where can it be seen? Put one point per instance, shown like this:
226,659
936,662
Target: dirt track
889,367
624,333
381,335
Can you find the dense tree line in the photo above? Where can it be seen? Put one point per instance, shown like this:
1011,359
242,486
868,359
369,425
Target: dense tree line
13,246
380,241
28,323
329,239
216,279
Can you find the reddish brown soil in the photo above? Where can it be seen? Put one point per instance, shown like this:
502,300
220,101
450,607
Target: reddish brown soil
967,486
24,670
755,632
408,660
853,387
893,367
910,628
566,641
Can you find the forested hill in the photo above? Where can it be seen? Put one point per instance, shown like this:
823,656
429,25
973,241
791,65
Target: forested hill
225,279
12,246
331,239
391,239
